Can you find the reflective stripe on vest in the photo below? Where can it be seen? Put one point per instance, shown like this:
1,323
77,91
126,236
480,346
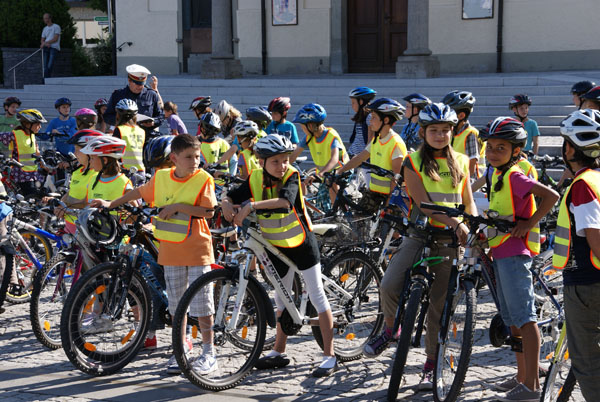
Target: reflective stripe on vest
320,151
279,229
78,189
134,138
212,152
26,148
562,236
381,155
441,192
169,190
502,202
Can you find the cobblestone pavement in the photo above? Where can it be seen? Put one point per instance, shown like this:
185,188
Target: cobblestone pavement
30,372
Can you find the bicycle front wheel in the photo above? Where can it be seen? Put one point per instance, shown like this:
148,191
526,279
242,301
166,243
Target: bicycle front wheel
560,380
103,322
233,359
411,312
356,319
453,355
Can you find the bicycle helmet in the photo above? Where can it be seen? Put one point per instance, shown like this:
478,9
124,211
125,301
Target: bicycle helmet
260,115
593,94
105,146
157,150
100,102
10,100
581,87
127,107
437,113
82,137
211,124
363,93
246,129
87,116
418,100
31,116
98,227
222,109
280,105
459,100
311,113
505,128
519,99
200,102
386,107
271,145
582,129
62,101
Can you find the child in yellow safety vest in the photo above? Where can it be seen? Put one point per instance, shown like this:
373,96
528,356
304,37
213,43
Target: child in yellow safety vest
133,135
187,197
277,186
577,247
511,194
434,173
387,150
212,148
247,135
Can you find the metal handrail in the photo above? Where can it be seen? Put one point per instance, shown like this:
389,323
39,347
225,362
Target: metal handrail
13,68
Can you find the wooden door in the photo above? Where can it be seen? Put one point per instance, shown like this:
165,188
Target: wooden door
376,35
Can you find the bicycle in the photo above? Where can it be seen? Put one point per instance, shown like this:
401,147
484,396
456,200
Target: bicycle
243,310
560,380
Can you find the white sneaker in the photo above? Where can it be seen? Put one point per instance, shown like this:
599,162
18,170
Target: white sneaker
205,364
97,325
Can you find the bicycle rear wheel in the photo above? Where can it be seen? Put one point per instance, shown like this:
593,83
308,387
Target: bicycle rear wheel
98,338
25,268
358,319
411,312
560,380
454,354
233,360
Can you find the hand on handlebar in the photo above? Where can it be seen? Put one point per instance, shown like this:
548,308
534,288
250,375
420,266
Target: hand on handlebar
521,228
241,214
462,232
98,203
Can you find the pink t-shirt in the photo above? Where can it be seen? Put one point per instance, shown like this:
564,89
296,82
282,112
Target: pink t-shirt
521,187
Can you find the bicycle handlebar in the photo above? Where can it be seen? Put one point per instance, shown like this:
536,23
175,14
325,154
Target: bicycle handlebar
474,221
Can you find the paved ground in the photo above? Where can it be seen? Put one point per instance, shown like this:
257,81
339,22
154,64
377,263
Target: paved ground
30,372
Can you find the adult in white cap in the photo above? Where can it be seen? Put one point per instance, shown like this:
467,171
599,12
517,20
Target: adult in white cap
147,98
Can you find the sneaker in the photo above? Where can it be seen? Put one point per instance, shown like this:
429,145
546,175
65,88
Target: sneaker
172,366
272,362
520,393
377,345
507,385
205,364
98,324
426,383
325,372
150,343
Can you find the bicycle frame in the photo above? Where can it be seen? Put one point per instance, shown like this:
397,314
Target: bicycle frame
17,239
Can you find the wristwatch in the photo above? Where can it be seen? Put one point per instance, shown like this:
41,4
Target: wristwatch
252,209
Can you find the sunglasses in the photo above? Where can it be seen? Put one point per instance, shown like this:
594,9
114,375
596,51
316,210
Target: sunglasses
138,82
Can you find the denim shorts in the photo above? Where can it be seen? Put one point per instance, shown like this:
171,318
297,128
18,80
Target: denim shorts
515,290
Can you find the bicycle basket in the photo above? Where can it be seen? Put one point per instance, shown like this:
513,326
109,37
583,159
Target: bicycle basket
371,201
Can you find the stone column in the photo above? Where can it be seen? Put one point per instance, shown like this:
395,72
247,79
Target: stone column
222,63
417,61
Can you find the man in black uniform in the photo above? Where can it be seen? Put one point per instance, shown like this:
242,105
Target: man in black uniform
148,99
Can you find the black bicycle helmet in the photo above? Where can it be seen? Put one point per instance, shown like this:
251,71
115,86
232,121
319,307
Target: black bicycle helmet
211,124
260,115
10,100
593,94
519,99
581,87
418,100
280,104
505,128
62,101
437,113
386,107
157,151
459,100
200,102
273,144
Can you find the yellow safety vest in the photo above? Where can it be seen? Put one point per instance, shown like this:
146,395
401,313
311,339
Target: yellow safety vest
78,189
459,141
502,202
528,168
250,160
134,138
441,192
170,190
562,238
26,148
212,152
320,151
381,155
279,229
108,190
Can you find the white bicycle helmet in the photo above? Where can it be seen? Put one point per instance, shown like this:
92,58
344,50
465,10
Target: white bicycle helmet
105,146
582,129
222,109
127,106
246,129
273,144
98,227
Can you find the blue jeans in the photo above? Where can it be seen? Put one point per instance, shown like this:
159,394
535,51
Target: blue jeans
515,290
49,57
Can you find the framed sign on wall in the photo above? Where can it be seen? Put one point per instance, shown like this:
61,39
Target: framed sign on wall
284,12
477,9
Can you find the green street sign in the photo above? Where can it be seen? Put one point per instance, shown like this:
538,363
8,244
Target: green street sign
101,19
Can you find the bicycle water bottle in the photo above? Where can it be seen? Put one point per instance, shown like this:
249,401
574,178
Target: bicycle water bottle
421,222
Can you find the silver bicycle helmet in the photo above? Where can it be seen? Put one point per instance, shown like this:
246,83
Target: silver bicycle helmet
273,144
582,129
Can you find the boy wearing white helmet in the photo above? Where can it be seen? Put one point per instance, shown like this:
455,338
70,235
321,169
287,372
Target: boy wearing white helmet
133,135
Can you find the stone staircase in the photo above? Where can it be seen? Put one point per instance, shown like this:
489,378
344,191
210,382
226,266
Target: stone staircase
549,91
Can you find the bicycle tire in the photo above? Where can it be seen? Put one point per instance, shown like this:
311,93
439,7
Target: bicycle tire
45,306
411,312
80,345
26,272
555,390
8,266
348,269
225,281
440,391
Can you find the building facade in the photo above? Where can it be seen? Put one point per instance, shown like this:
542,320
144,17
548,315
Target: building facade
357,36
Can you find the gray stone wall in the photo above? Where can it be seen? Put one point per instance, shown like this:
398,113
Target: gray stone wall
30,72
